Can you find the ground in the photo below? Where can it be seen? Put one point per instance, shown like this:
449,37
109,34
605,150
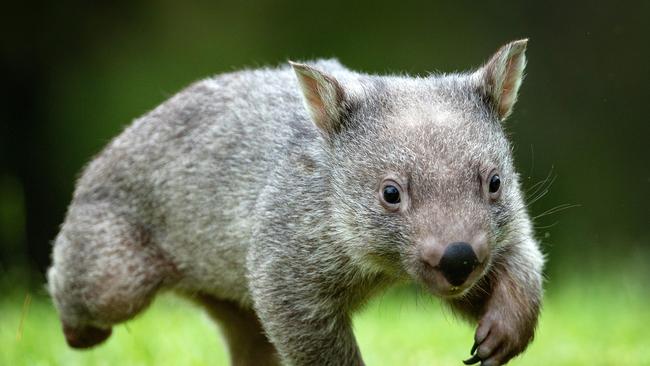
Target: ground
605,324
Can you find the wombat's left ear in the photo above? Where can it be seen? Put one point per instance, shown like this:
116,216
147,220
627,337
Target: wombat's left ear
501,77
323,97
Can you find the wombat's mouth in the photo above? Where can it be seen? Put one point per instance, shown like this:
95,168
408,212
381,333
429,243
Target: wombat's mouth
454,292
438,284
448,292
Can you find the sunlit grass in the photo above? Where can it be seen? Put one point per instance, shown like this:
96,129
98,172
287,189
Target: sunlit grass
581,325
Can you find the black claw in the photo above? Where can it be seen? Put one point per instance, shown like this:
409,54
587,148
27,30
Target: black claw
474,359
474,347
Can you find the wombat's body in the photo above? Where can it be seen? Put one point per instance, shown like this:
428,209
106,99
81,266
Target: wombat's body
189,175
274,216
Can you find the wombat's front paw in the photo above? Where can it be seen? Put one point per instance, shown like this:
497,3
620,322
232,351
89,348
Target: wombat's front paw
85,337
497,340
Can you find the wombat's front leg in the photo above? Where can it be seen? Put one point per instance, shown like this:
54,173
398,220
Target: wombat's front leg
304,320
506,313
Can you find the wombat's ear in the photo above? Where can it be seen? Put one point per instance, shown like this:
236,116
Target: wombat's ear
501,77
323,97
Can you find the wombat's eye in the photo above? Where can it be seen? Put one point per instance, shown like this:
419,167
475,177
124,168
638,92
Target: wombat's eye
495,183
391,195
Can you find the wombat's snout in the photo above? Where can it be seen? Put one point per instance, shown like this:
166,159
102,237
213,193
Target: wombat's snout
457,262
456,265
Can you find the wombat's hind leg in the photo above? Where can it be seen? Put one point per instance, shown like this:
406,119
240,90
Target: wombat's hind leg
105,270
247,343
85,336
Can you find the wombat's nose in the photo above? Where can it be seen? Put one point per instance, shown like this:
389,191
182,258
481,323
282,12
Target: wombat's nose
457,262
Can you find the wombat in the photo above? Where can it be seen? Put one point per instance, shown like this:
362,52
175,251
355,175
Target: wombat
282,199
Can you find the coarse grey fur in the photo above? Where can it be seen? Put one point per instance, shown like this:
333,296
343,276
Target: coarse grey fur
256,193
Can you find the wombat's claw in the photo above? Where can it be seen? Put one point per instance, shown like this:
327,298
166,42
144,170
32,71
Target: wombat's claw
474,359
474,347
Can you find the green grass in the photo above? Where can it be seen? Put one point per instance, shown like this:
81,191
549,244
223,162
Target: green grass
580,325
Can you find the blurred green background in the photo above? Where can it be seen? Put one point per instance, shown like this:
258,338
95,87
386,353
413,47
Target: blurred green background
75,73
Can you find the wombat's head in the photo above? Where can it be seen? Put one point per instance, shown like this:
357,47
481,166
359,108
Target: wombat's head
421,171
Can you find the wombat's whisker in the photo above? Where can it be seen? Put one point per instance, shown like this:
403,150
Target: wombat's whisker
557,209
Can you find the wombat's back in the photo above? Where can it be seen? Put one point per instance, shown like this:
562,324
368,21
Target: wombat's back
190,171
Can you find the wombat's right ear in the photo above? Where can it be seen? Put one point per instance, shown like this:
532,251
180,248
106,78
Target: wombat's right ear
501,77
323,97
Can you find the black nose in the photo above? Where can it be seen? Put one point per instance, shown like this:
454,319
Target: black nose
457,262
